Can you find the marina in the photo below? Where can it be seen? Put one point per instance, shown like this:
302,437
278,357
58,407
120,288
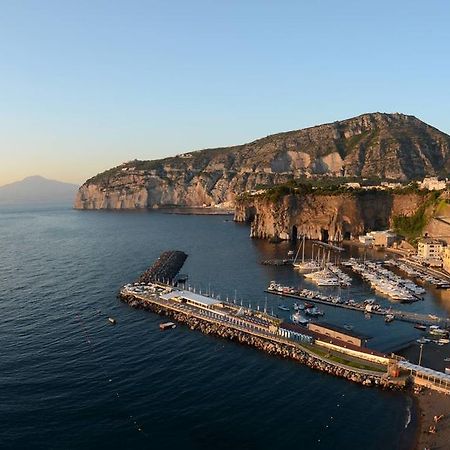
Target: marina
335,349
385,282
367,306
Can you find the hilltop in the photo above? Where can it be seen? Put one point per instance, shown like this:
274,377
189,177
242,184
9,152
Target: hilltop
386,146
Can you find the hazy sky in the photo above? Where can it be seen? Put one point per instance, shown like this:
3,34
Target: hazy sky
85,85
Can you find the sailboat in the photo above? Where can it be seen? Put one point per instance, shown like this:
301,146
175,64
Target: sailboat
305,266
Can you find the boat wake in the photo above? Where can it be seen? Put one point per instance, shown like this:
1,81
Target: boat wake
408,413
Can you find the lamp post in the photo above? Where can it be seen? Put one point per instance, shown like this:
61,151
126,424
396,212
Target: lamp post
420,354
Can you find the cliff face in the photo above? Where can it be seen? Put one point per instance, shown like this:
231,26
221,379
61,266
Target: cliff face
391,146
324,216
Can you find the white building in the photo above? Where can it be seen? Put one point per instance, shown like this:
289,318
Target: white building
366,239
433,184
430,249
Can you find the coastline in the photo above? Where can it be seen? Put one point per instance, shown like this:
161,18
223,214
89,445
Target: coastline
429,404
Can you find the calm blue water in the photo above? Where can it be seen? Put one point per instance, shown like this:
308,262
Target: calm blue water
68,380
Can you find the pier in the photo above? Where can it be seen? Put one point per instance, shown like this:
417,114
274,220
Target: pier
231,322
405,316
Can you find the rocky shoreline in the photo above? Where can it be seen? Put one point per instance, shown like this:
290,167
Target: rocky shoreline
273,348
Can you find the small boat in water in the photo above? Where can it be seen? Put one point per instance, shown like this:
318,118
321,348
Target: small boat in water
315,312
309,305
419,326
422,340
298,307
348,327
112,321
167,325
389,318
283,307
299,319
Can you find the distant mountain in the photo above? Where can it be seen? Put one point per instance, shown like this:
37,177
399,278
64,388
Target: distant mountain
388,146
37,189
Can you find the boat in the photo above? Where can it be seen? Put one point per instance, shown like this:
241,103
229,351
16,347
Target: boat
298,306
389,318
422,340
167,325
447,359
419,326
309,305
443,341
348,327
315,312
299,319
436,331
112,321
283,307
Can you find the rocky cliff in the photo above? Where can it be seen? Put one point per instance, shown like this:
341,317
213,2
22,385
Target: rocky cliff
324,216
390,146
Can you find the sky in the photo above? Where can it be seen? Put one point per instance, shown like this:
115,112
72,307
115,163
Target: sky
87,85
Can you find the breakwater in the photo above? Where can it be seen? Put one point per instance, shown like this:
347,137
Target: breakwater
165,268
270,343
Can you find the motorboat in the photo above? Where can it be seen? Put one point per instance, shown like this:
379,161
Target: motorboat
299,319
283,307
315,312
389,318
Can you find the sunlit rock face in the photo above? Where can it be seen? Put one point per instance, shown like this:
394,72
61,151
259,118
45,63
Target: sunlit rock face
387,146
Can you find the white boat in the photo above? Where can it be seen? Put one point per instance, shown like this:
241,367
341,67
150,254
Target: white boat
299,319
314,311
389,318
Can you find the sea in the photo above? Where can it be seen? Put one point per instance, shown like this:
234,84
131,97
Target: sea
71,380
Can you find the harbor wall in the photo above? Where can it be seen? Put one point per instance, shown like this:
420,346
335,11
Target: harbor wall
272,345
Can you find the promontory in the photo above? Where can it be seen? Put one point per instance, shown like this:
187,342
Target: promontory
387,146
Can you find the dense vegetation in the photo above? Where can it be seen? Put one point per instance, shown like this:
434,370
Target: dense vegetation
412,226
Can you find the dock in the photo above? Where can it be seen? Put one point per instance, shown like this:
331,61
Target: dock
405,316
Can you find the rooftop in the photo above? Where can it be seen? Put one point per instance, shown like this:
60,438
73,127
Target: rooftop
342,330
207,301
428,240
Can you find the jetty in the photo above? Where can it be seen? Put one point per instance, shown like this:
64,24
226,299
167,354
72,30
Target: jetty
316,297
165,268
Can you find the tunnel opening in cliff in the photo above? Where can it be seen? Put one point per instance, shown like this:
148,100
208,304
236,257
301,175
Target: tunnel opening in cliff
324,235
294,233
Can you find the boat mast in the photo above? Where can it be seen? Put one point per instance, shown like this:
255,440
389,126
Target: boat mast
303,252
298,251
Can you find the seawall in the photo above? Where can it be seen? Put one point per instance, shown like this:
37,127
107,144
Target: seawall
275,345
